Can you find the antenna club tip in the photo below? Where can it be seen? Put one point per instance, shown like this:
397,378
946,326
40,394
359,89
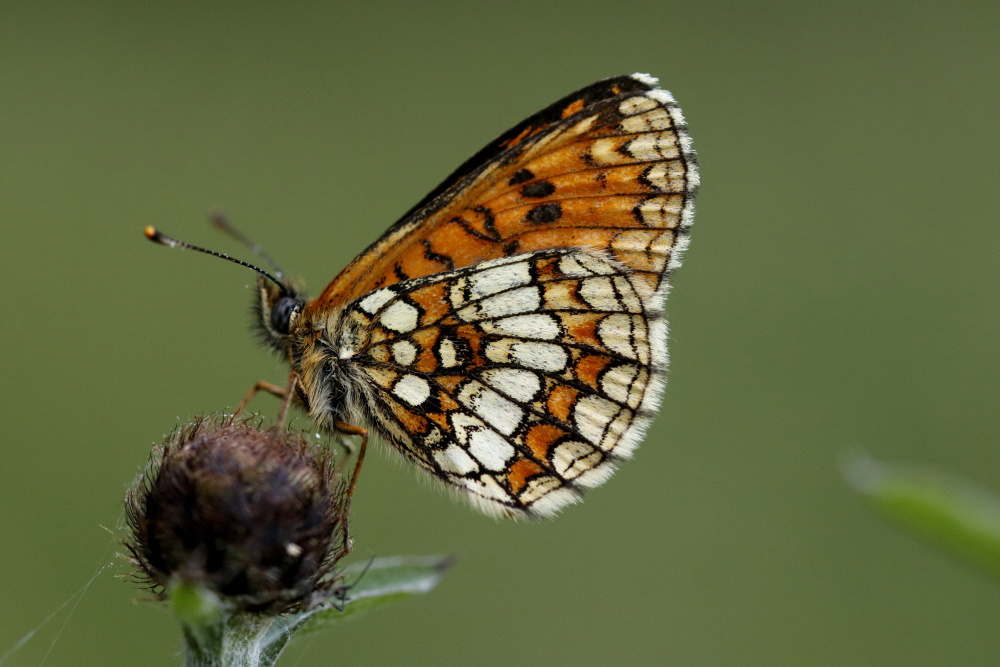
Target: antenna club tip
154,235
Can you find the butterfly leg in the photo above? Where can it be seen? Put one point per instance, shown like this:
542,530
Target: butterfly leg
350,429
286,400
349,450
280,392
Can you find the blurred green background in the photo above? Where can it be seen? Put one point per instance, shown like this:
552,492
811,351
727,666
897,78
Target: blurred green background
841,292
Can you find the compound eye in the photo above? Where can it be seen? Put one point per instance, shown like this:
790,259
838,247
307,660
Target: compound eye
281,314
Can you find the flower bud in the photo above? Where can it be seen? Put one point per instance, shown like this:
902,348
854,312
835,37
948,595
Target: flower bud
257,518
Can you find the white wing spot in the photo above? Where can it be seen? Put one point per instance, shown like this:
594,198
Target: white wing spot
542,356
572,268
464,424
521,385
412,389
497,279
638,389
595,264
405,352
662,211
637,104
448,353
536,326
455,460
605,151
655,119
630,300
570,459
599,293
592,415
496,410
616,383
654,146
371,303
490,449
583,126
457,293
400,316
668,176
615,332
640,333
662,245
634,240
616,430
522,300
567,453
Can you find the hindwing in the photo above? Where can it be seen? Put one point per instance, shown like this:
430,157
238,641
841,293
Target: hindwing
519,381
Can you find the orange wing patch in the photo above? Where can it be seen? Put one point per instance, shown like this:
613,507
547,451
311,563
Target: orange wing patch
602,164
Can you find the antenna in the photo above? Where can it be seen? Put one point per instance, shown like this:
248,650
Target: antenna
154,235
222,223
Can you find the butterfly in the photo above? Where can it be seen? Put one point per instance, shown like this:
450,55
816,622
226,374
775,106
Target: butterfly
507,335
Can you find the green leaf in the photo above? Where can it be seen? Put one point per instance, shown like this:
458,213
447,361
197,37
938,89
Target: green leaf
383,580
943,509
371,584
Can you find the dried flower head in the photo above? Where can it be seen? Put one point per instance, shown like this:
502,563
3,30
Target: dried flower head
256,517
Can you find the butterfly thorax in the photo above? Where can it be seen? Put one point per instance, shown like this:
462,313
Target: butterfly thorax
322,347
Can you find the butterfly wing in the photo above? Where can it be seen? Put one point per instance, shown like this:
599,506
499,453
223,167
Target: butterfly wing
518,382
609,168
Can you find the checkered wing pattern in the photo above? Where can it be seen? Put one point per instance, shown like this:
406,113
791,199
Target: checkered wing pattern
506,335
519,381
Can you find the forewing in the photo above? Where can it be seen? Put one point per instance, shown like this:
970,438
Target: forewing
609,168
517,381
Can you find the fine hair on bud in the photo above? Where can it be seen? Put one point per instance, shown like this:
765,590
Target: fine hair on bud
256,517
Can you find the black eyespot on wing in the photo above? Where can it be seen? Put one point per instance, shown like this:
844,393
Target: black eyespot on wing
543,214
538,189
511,247
521,176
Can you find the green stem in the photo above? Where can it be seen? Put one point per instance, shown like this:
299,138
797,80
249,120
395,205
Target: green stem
217,637
241,640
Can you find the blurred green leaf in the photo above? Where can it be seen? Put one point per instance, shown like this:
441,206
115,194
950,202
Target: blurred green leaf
384,580
370,584
942,508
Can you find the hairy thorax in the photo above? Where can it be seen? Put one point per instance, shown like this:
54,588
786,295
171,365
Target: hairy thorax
322,348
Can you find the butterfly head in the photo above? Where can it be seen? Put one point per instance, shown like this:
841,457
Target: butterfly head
277,308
